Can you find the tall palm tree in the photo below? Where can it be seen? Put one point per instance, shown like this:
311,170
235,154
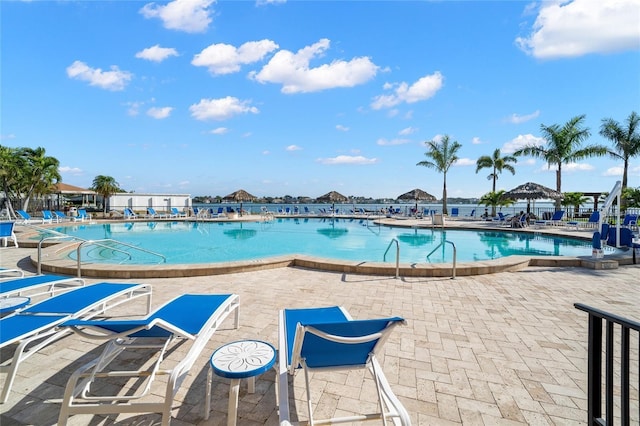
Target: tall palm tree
494,199
442,155
497,164
564,145
625,138
105,186
39,174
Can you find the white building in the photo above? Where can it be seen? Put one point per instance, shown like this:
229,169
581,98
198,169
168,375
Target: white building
140,202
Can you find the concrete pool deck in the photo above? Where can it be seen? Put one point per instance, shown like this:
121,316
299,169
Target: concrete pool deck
502,349
55,260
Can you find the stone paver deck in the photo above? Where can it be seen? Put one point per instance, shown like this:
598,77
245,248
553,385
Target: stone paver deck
501,349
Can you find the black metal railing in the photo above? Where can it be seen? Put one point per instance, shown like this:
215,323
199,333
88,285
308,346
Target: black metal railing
617,369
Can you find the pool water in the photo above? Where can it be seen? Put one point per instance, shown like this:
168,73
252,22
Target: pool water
344,239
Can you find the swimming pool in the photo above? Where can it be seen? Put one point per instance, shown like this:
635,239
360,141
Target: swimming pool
184,242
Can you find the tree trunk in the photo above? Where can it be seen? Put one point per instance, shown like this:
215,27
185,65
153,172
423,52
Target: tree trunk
559,185
444,195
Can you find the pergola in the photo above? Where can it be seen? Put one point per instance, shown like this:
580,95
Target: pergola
64,189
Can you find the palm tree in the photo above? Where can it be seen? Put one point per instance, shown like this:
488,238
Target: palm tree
442,155
564,145
105,186
575,199
625,138
493,199
38,174
497,164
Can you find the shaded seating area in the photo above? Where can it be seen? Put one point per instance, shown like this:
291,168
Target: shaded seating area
190,319
327,338
38,325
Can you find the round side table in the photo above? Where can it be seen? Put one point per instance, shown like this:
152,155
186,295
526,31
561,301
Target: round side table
11,304
244,359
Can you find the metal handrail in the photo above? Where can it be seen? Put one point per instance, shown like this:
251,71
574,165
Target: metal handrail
98,242
60,237
384,258
454,255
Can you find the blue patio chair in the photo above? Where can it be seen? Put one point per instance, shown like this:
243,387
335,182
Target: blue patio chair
60,216
454,212
47,216
188,318
630,221
129,214
81,216
328,339
25,217
153,214
591,223
37,325
177,213
6,233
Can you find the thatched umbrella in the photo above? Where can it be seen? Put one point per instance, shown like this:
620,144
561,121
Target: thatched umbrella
532,191
239,196
417,195
332,197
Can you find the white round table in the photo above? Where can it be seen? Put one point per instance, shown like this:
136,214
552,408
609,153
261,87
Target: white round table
244,359
10,304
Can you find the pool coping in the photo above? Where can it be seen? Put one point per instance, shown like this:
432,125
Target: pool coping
54,259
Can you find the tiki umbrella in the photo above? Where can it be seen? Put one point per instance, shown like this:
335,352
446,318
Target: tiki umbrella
239,196
416,195
332,197
532,191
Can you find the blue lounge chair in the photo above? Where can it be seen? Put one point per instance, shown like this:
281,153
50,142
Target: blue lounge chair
129,214
556,220
60,216
6,233
25,218
190,317
153,214
10,274
38,325
177,213
591,223
327,338
38,285
47,216
454,212
81,216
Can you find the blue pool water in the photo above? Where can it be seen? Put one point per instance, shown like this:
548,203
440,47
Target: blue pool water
346,239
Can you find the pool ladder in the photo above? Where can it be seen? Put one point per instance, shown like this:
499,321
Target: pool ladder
384,258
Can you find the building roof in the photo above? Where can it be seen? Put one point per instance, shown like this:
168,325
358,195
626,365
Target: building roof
65,188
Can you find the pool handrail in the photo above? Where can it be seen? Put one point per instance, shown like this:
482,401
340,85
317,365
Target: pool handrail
384,258
453,276
99,243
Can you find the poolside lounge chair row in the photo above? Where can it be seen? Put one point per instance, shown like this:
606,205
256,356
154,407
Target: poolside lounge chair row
56,216
309,339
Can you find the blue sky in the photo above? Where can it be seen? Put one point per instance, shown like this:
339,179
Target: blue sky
303,97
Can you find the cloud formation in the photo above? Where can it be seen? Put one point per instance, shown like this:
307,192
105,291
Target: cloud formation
226,59
294,72
396,141
191,16
580,27
423,89
348,159
517,119
156,53
159,113
114,80
521,141
221,109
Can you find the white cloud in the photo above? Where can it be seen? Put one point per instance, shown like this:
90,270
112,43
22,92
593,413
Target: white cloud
114,80
476,140
70,170
134,108
423,89
579,27
268,2
192,16
517,119
225,59
159,113
342,128
521,141
219,131
348,159
397,141
221,109
156,53
465,162
293,148
408,131
613,171
568,167
294,72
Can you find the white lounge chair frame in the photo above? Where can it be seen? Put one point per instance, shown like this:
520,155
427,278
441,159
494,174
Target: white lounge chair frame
31,343
390,408
56,283
19,273
77,399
